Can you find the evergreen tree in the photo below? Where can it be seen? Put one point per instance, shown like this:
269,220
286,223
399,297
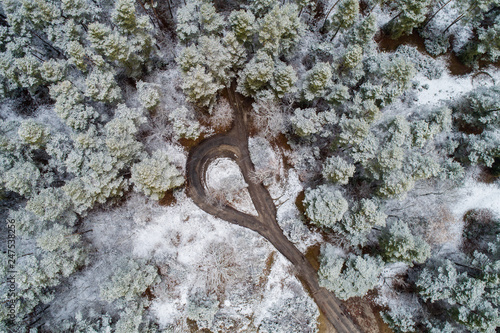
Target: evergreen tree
317,81
399,244
156,175
337,169
411,14
324,206
350,277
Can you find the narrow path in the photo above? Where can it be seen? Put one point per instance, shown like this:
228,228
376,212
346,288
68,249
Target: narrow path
234,145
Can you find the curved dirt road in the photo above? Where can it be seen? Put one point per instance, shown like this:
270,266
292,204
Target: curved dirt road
234,145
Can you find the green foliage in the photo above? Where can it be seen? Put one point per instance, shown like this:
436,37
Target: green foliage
350,277
121,134
130,279
280,29
256,74
353,56
306,122
202,308
200,87
156,175
338,170
69,106
324,206
243,24
33,133
196,19
148,95
353,131
102,87
284,79
345,15
51,204
400,245
184,125
472,298
364,32
411,14
317,80
22,178
363,216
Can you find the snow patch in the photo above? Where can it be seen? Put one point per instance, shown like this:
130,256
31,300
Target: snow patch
476,195
225,184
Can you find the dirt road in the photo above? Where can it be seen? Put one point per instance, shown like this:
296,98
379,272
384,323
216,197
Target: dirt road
234,145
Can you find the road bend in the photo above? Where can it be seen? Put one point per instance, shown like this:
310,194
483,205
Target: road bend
234,145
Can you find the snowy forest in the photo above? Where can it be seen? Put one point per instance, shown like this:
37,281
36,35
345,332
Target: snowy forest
367,131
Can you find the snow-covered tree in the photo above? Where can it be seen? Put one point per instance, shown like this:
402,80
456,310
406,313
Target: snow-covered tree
129,280
156,175
324,206
317,80
198,18
22,178
280,29
121,133
284,79
69,106
363,216
353,56
410,15
345,16
148,95
338,170
200,86
183,123
101,86
256,74
33,133
202,308
51,204
353,131
243,24
306,122
399,244
349,277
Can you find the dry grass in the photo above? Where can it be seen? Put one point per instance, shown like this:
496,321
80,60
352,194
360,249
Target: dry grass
440,228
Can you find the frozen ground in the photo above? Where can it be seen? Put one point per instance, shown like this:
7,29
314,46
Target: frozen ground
477,195
448,87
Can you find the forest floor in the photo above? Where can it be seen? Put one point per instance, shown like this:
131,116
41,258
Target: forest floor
234,145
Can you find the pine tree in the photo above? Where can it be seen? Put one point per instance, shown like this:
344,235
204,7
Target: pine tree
345,16
399,244
338,170
101,86
411,14
33,133
350,277
200,86
306,122
148,95
129,280
324,206
280,29
317,81
156,175
364,216
256,74
242,24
